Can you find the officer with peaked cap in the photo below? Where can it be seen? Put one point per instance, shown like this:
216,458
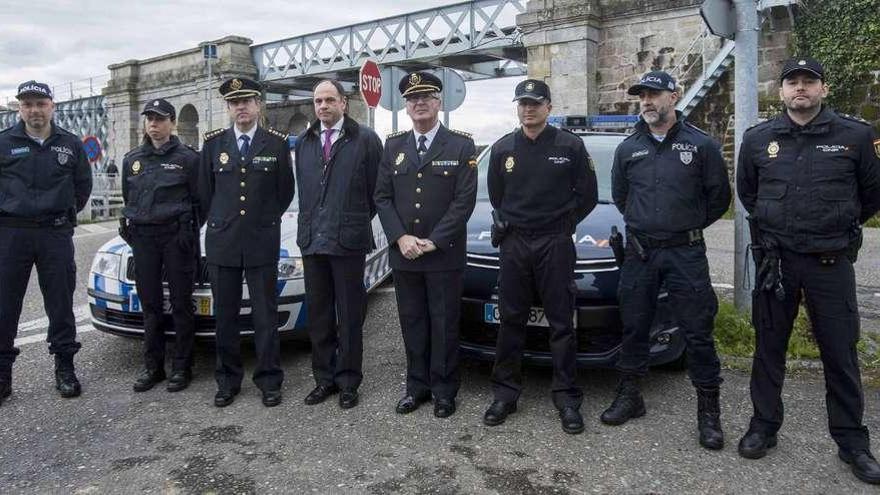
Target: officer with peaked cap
542,184
246,183
159,180
45,180
809,179
670,182
425,193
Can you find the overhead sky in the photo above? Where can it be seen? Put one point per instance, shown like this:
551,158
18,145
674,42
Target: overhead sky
60,42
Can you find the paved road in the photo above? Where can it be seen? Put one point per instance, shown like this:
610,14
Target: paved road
111,440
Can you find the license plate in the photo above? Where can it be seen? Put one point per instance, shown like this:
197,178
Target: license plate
203,305
537,318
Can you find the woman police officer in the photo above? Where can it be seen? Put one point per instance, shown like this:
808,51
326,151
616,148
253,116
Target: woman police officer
159,180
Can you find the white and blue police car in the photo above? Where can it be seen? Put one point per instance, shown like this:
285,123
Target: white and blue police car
116,309
596,275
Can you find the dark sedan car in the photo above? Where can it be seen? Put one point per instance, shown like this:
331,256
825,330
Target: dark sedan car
596,274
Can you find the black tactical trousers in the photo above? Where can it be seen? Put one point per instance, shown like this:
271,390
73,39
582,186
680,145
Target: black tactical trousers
542,265
336,305
684,270
830,293
226,287
429,305
156,251
51,250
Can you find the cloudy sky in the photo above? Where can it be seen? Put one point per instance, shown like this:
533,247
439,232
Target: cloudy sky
65,41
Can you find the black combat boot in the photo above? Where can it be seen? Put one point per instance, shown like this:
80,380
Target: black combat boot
627,405
65,376
709,418
5,385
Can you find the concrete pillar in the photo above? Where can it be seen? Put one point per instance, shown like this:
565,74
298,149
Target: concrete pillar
561,37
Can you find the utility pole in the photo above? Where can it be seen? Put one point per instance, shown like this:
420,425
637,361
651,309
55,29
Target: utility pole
746,115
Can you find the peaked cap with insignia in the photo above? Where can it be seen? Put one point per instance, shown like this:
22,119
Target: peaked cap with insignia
418,83
240,87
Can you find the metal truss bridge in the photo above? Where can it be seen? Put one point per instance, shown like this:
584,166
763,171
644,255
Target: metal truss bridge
479,39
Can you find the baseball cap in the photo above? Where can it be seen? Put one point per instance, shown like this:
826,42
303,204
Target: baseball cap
532,89
657,79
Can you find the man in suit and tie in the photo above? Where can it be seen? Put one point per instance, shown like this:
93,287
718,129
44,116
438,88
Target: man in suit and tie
425,193
246,184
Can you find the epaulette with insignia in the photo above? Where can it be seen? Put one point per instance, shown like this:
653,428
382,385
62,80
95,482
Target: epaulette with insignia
853,118
212,134
396,134
461,133
276,133
692,126
759,124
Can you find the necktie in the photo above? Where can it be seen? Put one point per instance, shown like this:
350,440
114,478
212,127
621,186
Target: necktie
328,135
245,145
422,149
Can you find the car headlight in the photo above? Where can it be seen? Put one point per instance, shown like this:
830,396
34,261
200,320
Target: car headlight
107,264
289,268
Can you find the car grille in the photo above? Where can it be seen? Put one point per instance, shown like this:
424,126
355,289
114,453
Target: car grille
201,276
491,262
203,323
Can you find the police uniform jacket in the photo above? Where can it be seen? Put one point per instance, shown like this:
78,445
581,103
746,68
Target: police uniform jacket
41,182
810,186
670,187
336,197
242,198
545,183
429,197
159,185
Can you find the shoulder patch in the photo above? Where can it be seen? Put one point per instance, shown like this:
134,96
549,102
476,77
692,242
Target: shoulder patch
276,133
853,118
396,134
461,133
212,134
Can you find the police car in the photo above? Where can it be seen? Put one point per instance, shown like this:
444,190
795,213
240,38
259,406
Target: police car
116,308
596,274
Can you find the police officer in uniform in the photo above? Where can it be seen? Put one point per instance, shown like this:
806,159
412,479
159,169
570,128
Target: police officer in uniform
159,180
336,164
246,183
45,179
541,184
809,178
670,182
425,193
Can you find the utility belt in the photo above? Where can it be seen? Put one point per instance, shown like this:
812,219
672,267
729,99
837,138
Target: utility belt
688,238
52,221
558,227
154,229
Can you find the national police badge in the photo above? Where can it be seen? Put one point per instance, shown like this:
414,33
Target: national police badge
399,159
773,149
136,167
508,164
877,148
224,158
686,157
62,158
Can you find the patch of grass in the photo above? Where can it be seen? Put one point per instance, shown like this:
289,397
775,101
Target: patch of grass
873,222
735,337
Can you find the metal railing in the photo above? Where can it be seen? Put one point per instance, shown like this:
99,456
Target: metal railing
428,34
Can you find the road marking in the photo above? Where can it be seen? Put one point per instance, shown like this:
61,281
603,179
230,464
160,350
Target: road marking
41,337
723,286
79,313
94,228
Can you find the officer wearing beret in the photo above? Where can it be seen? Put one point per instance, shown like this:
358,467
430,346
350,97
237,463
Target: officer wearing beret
425,193
44,180
541,184
670,182
808,178
159,180
336,164
246,183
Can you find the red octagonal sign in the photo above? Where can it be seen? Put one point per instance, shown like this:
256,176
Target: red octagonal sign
370,83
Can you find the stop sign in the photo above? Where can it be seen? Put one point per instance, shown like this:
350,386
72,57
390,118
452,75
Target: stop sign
370,83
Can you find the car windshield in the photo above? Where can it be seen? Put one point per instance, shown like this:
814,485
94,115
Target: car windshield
600,147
